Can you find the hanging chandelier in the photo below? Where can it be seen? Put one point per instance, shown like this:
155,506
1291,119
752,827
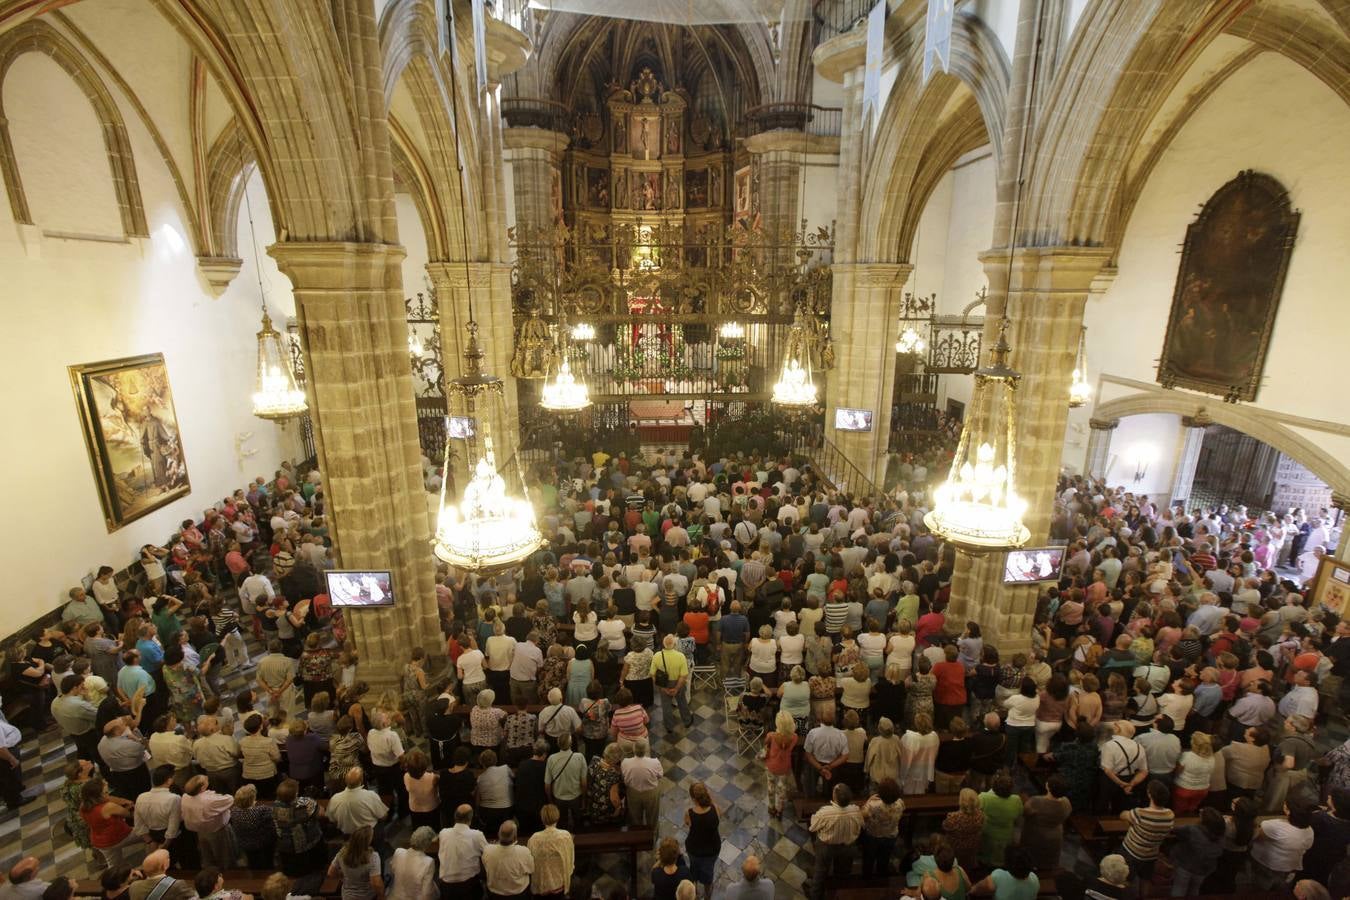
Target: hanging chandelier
276,396
1080,390
910,342
731,331
795,387
415,347
583,331
489,529
977,508
563,392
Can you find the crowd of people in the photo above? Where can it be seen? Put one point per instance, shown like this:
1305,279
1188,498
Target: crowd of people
1173,679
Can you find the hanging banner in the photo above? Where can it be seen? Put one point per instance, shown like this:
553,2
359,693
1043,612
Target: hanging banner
937,38
480,44
876,48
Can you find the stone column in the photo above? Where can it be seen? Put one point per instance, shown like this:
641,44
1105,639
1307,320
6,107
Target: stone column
780,154
1192,438
1342,502
536,154
1047,292
349,305
867,298
1099,446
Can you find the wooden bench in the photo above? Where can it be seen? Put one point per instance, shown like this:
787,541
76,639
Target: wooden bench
629,841
915,804
249,881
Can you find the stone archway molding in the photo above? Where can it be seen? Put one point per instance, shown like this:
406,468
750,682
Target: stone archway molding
1257,423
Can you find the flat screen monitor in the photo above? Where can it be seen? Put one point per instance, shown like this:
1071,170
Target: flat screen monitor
360,589
846,419
1033,566
459,427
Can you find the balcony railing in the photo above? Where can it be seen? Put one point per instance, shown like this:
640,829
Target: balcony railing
825,121
516,13
836,17
524,112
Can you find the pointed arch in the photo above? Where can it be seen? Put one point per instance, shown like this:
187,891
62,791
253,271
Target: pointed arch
36,36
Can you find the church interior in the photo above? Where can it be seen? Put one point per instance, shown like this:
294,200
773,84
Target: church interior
729,357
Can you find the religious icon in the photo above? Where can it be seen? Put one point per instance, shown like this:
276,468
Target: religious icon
672,190
673,136
597,188
620,133
714,186
1228,289
621,189
696,188
131,430
649,196
644,137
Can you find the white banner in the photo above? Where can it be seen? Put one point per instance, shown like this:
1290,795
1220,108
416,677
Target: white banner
480,44
937,38
876,49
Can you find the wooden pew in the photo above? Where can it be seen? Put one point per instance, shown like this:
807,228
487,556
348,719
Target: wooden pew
249,881
629,841
915,804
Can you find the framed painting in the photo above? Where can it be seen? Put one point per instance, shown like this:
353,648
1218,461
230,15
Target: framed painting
1331,585
131,430
1228,289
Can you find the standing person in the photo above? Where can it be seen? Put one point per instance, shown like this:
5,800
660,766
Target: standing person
254,828
836,827
1279,846
207,814
1149,827
670,870
554,856
642,773
1043,821
507,864
703,844
159,812
260,756
1014,881
421,786
276,678
386,750
77,717
460,851
918,755
826,750
123,752
413,868
1196,853
881,826
753,885
949,692
670,670
778,747
108,819
299,837
565,780
1002,808
359,865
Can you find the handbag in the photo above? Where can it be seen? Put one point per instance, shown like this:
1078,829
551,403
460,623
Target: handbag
661,677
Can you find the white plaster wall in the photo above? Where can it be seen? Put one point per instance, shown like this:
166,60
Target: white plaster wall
414,240
820,182
1274,117
63,162
1152,439
76,301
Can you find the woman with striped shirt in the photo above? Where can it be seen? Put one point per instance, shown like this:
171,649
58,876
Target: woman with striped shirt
628,722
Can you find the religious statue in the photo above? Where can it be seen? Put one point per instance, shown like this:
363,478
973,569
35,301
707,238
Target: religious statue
649,196
621,189
672,190
534,352
714,186
620,134
644,137
673,136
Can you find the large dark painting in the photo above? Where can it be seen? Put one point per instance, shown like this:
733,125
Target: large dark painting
1228,289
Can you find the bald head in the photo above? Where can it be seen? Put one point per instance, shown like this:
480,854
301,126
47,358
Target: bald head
156,863
23,870
354,777
992,721
750,869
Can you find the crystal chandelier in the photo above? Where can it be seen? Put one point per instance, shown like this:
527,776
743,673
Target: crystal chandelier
489,529
583,331
977,508
731,331
276,397
1080,391
563,392
415,347
910,342
795,386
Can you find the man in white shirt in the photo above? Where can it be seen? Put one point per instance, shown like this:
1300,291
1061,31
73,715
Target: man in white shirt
698,492
460,850
526,661
644,594
257,590
1302,698
356,807
159,811
508,864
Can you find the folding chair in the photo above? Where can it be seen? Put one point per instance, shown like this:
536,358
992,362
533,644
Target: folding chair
705,676
748,729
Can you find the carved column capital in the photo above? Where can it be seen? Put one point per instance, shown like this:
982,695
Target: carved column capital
1199,420
1103,424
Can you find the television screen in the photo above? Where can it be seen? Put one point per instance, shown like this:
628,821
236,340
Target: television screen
1032,566
349,588
459,427
846,419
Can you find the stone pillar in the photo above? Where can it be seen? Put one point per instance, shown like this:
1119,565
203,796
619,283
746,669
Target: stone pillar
1192,438
349,305
866,306
535,156
1099,446
780,154
1047,292
1341,502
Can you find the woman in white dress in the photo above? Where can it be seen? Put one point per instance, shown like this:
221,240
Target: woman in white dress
918,753
413,870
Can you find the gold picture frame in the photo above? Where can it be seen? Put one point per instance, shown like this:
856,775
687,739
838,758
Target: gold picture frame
1331,585
131,431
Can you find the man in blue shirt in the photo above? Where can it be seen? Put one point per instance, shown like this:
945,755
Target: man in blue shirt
133,677
152,654
735,631
753,886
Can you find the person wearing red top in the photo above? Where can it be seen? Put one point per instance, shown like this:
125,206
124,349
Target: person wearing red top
929,625
949,694
697,620
778,748
108,820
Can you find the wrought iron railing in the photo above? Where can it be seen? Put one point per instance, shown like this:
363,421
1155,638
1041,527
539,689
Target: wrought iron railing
836,17
524,112
516,13
833,464
825,121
